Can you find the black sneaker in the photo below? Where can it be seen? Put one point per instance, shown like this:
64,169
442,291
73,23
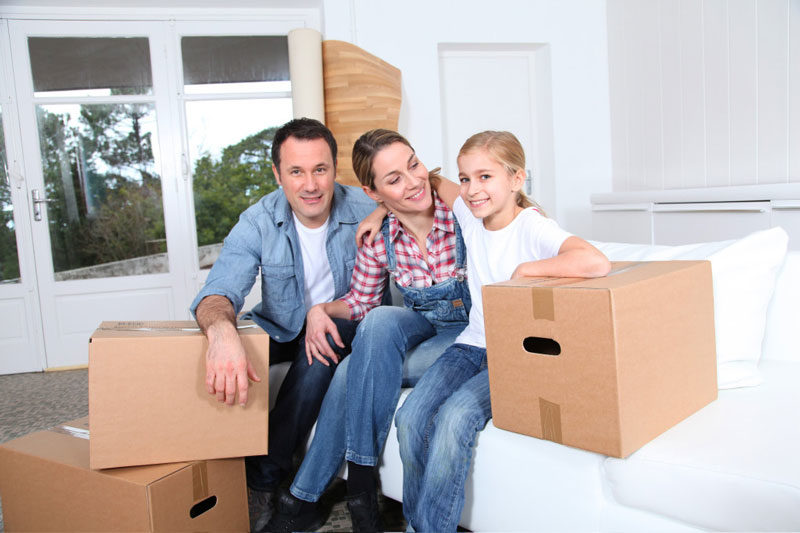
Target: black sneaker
259,504
364,513
293,514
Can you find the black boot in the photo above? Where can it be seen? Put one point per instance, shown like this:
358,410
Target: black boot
259,503
364,512
293,514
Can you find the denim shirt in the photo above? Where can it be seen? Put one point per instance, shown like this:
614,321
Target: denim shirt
265,239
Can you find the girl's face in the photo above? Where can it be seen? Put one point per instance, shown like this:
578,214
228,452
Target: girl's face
401,180
488,189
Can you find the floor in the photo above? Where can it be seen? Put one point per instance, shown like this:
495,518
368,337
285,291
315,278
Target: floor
35,401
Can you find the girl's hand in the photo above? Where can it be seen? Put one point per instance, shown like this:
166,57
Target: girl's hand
447,190
370,226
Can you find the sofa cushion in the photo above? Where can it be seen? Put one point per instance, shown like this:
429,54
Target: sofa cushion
782,335
744,273
732,466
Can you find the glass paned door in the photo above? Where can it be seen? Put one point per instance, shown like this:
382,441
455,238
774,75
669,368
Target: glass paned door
237,93
101,186
92,104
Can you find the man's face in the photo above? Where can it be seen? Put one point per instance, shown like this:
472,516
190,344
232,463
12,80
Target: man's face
306,174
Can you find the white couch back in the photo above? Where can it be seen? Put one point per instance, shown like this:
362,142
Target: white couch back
782,333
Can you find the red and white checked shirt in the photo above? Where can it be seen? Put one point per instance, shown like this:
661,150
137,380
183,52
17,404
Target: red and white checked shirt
369,274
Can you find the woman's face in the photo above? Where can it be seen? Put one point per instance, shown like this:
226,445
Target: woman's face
401,180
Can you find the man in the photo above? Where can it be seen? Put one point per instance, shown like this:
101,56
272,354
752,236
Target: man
302,238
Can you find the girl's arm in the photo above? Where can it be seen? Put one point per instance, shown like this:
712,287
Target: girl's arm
447,190
576,259
370,226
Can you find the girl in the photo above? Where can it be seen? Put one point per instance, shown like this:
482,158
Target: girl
420,246
506,238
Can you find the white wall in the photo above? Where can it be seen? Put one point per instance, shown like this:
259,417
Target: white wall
407,34
704,93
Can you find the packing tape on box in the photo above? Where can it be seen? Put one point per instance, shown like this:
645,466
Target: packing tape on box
199,481
141,326
550,414
543,308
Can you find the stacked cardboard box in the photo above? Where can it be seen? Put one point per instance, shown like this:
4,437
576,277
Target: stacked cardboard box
47,485
148,401
602,364
148,405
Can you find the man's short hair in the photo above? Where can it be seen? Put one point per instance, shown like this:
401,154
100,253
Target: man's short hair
307,129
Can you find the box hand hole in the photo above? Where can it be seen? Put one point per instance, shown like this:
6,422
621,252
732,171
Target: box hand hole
202,506
541,345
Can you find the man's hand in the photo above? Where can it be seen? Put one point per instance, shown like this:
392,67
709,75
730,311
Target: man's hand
318,325
227,366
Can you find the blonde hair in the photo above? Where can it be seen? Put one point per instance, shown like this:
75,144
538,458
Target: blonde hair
367,147
506,149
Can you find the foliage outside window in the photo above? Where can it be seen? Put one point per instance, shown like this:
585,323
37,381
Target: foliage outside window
9,260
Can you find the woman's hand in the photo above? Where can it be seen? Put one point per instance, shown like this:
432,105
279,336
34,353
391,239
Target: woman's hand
370,226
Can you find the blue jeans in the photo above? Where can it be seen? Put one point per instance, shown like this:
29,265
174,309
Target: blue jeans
393,347
296,407
436,430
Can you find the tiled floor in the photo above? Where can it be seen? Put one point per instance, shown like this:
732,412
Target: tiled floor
35,401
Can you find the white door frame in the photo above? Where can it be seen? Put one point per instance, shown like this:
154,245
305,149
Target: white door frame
21,342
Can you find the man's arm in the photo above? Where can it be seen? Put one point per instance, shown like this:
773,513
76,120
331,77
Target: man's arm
227,366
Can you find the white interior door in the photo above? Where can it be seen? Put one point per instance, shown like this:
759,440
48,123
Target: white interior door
499,87
91,107
21,346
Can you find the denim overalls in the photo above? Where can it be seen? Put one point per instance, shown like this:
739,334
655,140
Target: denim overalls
444,304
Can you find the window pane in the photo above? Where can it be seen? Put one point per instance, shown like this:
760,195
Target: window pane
88,66
9,259
230,142
213,60
106,214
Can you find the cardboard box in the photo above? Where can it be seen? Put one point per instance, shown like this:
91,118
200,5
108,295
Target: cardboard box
602,364
46,485
148,402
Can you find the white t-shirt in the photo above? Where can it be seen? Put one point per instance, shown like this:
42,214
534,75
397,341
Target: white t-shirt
316,268
492,256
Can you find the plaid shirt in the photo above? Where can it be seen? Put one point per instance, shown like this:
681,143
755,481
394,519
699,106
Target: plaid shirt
369,274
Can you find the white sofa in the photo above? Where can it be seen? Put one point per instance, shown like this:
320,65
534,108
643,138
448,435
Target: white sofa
732,466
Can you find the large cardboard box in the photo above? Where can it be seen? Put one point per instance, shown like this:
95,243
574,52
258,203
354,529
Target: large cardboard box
46,485
148,402
602,364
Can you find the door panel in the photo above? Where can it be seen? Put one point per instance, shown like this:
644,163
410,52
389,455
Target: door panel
91,148
21,345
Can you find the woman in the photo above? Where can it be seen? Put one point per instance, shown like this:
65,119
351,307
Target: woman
420,248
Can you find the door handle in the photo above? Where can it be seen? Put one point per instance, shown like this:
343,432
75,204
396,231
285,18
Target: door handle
37,200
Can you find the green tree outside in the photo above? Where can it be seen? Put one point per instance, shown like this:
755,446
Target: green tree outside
9,258
224,188
99,172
